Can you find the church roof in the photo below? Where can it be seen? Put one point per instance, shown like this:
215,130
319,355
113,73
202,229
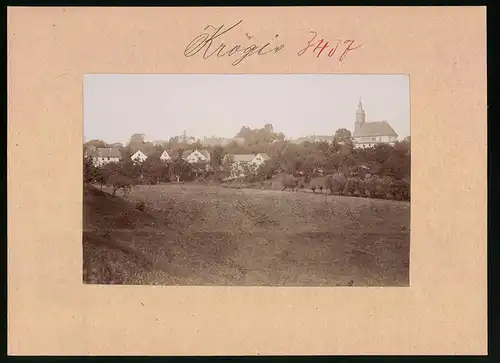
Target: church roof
379,128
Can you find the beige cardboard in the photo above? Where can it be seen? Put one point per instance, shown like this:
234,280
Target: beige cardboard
443,49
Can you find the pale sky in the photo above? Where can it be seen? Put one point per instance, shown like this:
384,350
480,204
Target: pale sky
164,105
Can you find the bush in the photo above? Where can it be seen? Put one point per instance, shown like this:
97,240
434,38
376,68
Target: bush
289,181
140,205
336,183
352,186
317,183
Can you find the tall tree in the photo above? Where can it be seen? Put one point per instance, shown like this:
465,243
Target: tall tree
217,156
96,143
342,135
137,139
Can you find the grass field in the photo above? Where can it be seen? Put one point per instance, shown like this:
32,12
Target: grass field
208,235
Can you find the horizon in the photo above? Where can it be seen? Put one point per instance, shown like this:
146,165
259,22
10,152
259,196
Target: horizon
116,106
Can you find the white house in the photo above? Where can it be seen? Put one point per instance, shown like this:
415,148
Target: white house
196,156
240,163
139,156
101,156
314,138
165,156
368,134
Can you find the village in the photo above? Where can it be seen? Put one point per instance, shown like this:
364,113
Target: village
210,196
244,154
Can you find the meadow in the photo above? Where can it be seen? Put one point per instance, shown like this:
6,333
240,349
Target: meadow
174,234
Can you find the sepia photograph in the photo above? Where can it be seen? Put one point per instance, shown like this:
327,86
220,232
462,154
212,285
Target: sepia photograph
246,179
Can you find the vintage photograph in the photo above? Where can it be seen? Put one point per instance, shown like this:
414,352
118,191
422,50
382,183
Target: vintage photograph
246,179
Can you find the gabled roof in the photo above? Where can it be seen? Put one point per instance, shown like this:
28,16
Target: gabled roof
186,153
264,156
166,157
140,151
242,158
106,152
313,138
246,158
380,128
205,153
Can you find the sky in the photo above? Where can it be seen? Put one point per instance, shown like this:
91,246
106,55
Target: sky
165,105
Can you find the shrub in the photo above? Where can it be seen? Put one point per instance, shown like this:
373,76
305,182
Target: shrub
335,183
317,183
289,181
351,186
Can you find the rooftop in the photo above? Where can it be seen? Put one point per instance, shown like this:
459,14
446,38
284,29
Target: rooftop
379,128
106,152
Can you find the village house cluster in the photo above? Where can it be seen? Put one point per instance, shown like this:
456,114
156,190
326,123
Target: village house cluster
365,135
239,163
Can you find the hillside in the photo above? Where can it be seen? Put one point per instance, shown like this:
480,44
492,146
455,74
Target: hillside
106,258
200,235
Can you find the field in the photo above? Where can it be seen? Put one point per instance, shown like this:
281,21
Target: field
209,235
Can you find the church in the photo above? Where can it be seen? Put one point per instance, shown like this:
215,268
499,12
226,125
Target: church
368,134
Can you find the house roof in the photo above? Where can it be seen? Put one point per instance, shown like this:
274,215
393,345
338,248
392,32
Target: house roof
265,156
380,128
186,153
205,153
106,152
313,138
140,151
246,158
242,158
323,138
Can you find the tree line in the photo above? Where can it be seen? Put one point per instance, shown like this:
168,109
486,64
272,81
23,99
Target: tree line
380,171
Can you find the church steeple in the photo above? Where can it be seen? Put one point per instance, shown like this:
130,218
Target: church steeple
360,117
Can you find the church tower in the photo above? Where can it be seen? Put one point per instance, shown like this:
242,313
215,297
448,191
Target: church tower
360,117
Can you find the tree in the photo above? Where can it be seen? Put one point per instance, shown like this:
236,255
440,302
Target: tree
180,169
342,135
217,156
260,137
96,143
381,152
280,136
244,132
137,139
119,181
90,171
335,183
289,182
154,171
136,142
269,168
199,167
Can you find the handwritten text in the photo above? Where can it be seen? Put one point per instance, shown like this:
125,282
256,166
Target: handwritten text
204,42
336,48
